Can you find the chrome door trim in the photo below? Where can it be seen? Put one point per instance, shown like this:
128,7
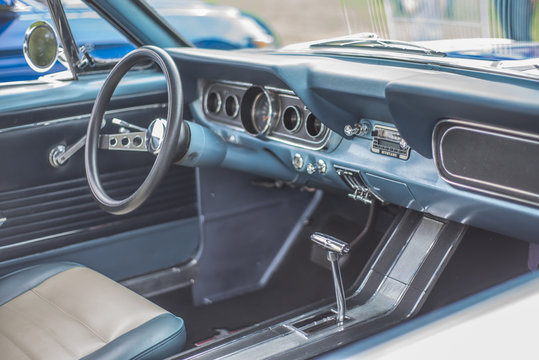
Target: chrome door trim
79,117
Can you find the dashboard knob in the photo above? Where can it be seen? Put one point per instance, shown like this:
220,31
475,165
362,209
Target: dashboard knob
322,168
297,161
319,167
350,130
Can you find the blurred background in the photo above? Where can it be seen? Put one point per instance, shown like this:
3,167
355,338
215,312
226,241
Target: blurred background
306,20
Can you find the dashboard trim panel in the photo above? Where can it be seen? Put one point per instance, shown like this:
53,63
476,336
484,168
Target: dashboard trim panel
284,137
444,127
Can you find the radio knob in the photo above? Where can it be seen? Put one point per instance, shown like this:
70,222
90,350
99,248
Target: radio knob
403,144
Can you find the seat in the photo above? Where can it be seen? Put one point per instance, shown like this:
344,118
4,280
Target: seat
67,311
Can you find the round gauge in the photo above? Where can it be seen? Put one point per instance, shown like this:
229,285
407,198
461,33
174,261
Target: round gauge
258,111
291,118
261,112
314,126
213,102
232,106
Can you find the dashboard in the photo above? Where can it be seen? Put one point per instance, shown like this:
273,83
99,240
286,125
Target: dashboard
366,127
403,133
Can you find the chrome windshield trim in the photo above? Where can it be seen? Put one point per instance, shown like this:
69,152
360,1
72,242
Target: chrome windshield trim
483,66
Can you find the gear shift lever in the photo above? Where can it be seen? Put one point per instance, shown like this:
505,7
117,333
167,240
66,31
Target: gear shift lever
335,249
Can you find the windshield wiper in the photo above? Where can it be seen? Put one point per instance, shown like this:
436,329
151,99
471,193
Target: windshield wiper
373,42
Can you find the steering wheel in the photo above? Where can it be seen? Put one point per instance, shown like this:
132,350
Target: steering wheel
162,138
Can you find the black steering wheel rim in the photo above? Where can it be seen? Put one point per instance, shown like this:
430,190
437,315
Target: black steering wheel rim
173,134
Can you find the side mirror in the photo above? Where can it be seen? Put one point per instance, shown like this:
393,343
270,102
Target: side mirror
40,46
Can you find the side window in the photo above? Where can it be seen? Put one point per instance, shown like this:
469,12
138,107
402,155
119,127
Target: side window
99,38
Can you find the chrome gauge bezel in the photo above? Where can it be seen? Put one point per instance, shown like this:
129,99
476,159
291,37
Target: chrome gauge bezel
322,129
219,101
298,115
274,130
247,110
236,104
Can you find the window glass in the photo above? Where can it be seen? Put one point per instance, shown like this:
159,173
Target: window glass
406,20
99,38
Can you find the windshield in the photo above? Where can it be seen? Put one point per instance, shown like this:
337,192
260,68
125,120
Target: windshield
480,33
405,20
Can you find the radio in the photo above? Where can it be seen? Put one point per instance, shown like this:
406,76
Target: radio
388,141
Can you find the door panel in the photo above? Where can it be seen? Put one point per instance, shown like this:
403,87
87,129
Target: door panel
49,212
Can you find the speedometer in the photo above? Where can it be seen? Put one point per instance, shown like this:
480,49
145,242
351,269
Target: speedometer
259,109
261,112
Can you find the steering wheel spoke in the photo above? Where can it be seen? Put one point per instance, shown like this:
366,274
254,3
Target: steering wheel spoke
131,141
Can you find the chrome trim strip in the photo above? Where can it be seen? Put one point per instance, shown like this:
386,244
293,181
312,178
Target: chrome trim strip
79,117
281,91
236,83
248,85
487,127
240,129
290,96
31,241
320,147
421,59
478,128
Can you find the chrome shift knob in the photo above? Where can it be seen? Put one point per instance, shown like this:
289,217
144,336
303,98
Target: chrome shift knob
335,249
331,243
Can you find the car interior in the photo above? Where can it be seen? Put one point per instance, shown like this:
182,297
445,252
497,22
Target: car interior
201,204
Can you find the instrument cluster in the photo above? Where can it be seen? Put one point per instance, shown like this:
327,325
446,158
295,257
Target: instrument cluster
265,112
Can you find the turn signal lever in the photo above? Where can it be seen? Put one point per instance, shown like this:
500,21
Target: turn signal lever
335,249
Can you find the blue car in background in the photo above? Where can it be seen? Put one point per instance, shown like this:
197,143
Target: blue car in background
204,25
